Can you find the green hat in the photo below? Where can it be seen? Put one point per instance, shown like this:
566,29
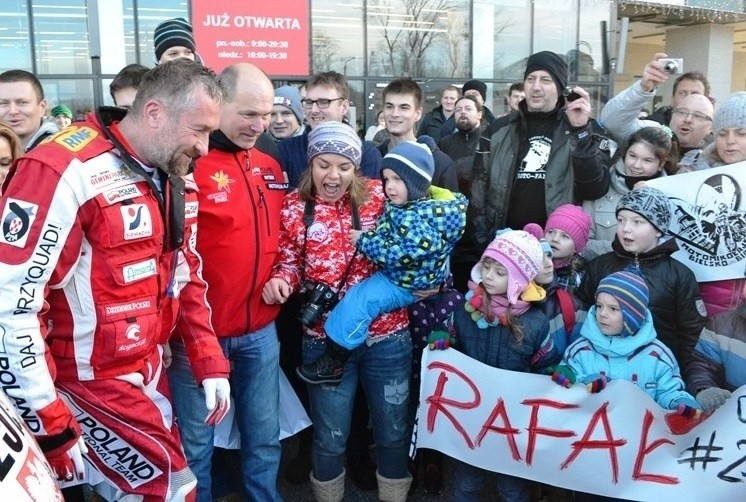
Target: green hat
62,110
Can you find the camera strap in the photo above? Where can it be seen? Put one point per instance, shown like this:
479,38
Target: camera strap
308,221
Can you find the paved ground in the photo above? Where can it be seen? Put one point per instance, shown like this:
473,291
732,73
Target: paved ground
302,493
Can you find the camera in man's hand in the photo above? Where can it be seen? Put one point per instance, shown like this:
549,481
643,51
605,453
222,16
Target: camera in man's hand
569,94
672,66
317,299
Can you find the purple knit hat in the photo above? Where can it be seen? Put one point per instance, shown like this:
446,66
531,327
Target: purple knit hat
572,220
521,255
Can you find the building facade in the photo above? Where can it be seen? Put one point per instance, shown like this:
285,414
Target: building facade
77,46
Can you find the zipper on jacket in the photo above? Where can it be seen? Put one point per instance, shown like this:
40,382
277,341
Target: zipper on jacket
247,168
263,205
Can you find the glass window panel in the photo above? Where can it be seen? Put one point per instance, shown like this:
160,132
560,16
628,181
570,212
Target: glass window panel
61,37
75,93
151,13
555,26
130,45
356,113
586,65
337,41
419,38
501,44
15,43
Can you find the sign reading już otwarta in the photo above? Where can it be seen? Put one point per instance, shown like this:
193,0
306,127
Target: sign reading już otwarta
271,35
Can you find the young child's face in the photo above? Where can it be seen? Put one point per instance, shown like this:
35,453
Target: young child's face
395,188
609,315
494,277
641,160
562,244
635,233
176,52
546,274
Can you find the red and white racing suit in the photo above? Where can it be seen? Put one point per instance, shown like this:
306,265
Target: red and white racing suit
89,281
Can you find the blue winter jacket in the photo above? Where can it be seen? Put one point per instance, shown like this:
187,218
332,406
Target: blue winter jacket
641,359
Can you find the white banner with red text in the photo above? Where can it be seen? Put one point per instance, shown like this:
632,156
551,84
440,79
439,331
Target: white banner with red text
617,443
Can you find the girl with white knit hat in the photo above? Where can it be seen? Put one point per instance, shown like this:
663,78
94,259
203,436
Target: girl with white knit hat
499,325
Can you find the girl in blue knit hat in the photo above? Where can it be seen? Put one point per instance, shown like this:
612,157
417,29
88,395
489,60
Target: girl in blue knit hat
411,245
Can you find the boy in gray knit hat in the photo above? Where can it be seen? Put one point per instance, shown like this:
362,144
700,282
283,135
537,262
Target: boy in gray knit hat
287,114
643,219
411,244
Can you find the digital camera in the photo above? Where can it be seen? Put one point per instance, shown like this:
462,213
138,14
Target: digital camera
317,299
569,94
673,66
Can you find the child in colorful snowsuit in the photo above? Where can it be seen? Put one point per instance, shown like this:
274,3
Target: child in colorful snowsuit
411,244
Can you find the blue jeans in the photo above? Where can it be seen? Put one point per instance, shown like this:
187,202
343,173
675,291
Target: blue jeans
468,482
383,369
348,322
255,390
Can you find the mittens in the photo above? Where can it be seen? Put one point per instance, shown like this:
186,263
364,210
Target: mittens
712,398
564,376
595,382
440,340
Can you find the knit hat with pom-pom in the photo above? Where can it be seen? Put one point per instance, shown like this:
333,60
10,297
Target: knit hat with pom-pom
520,253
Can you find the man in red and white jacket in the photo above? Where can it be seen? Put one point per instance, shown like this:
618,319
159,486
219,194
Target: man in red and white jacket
97,263
240,196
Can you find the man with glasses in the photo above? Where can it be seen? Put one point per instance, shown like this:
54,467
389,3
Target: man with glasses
693,82
326,99
690,116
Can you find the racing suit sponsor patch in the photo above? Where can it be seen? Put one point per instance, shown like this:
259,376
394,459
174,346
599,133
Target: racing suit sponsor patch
122,193
137,221
17,218
116,453
140,270
277,186
75,138
128,308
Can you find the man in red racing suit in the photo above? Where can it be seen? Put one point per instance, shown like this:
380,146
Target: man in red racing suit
97,264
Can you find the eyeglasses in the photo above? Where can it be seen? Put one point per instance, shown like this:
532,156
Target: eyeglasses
699,116
321,103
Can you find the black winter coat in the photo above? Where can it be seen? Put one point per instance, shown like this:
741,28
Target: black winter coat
675,303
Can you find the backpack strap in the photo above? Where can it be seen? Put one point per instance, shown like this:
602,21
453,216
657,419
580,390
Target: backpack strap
567,308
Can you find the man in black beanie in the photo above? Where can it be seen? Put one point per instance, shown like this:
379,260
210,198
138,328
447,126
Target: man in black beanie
549,150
